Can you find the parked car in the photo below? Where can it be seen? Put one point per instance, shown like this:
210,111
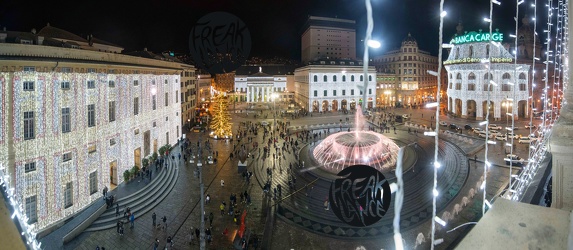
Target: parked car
477,130
512,135
525,140
529,125
494,126
501,137
443,123
264,123
494,132
515,160
467,127
482,134
453,126
510,128
533,137
405,116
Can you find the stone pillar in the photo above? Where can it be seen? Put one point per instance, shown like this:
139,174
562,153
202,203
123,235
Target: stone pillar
479,111
464,108
497,111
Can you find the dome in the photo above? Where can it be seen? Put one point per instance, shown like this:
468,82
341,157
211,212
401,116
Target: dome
409,40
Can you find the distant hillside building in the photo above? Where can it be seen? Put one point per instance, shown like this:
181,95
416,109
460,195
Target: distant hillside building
325,37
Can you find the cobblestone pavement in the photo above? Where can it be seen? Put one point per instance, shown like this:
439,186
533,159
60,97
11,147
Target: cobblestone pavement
182,206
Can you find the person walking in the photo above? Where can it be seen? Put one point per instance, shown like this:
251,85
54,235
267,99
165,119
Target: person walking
211,216
153,217
118,225
132,219
222,208
222,183
164,223
121,228
116,209
156,244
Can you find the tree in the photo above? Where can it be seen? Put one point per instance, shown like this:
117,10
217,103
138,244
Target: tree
221,122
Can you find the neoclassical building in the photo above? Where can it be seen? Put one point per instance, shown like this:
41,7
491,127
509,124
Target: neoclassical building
257,84
73,119
403,75
468,80
333,85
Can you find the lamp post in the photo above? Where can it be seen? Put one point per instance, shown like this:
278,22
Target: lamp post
200,167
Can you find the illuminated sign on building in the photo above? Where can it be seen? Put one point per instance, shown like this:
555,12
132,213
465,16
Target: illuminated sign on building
478,60
472,37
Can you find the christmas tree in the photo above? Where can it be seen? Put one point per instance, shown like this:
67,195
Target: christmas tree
221,122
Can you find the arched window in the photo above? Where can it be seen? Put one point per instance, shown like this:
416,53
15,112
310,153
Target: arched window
344,78
471,76
315,78
522,76
352,78
471,51
450,75
334,78
361,78
490,76
459,76
325,79
487,51
506,76
370,78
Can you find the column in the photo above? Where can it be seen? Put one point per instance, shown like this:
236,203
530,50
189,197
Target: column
479,111
464,113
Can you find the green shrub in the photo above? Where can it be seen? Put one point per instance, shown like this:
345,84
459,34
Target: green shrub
126,175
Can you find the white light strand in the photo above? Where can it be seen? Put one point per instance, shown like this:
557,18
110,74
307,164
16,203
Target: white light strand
437,116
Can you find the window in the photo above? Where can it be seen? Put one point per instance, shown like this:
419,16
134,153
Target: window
370,76
486,86
505,87
136,131
471,87
369,91
522,87
66,70
29,68
28,86
334,92
459,76
111,84
166,99
506,76
458,86
361,78
352,78
91,84
28,125
344,92
135,83
167,118
31,209
487,50
522,76
92,149
471,76
324,78
176,94
316,93
68,195
67,156
91,115
136,106
65,85
154,124
66,120
93,182
315,78
29,167
91,70
325,93
112,111
490,76
344,78
112,141
153,102
471,51
351,92
334,78
165,81
167,137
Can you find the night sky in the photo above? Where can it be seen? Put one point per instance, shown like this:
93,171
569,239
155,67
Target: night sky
275,26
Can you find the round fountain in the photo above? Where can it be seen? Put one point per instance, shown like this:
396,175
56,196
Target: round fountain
344,149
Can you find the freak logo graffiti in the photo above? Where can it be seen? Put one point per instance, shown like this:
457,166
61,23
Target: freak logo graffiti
219,42
360,196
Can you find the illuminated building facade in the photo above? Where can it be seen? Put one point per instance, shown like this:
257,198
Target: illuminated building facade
468,80
73,120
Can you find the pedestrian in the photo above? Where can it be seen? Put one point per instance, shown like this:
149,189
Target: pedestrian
121,228
132,219
222,183
197,233
118,225
475,158
105,192
211,216
156,244
116,209
225,231
222,207
153,217
169,242
164,222
207,199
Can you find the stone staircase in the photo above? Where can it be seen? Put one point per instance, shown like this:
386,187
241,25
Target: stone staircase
139,202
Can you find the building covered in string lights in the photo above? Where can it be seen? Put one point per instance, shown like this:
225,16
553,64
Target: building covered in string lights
75,115
468,81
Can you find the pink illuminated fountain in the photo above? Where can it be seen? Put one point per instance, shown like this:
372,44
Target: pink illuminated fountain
344,149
